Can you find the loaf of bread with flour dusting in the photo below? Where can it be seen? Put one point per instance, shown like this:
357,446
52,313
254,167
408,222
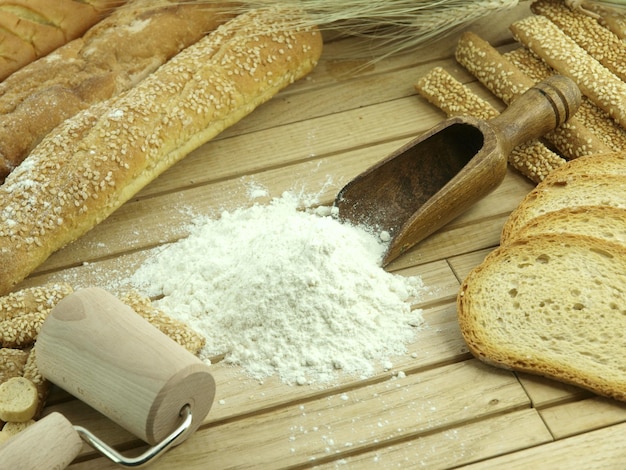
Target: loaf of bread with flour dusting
95,161
551,305
30,29
111,57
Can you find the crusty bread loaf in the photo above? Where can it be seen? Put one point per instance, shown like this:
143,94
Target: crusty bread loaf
551,305
606,222
110,58
30,29
596,180
98,159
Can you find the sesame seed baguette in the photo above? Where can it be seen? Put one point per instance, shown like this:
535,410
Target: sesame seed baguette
598,41
550,305
30,29
97,160
561,53
572,139
111,57
532,159
595,119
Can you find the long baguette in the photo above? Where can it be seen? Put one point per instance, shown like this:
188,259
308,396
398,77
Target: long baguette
111,57
30,29
97,160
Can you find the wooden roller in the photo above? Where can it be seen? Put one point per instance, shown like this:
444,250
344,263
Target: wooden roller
98,349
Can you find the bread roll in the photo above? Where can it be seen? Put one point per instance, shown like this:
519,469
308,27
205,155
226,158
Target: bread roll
110,58
98,159
30,29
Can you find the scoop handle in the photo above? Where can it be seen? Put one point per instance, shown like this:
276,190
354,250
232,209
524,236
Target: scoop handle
98,349
51,442
541,109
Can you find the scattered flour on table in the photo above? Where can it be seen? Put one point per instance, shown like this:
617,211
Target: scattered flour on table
280,290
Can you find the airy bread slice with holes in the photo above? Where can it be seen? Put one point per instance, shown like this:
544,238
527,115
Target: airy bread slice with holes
551,305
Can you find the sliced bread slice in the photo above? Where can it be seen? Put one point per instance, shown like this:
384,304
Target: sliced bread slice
575,191
551,305
604,222
613,163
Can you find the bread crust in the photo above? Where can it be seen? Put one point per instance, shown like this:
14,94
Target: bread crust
98,159
565,325
30,29
111,57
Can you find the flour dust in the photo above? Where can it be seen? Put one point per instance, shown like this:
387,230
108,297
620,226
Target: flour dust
281,290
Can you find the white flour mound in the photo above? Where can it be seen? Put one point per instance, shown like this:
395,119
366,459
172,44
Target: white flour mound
284,291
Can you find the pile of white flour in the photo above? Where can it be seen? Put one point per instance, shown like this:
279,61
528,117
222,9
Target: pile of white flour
284,291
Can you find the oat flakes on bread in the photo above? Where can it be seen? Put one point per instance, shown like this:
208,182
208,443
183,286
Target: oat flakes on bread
604,222
98,159
551,305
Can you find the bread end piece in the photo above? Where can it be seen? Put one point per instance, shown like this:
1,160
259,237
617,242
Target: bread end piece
18,400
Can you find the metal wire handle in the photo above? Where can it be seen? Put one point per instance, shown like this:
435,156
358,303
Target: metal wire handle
149,455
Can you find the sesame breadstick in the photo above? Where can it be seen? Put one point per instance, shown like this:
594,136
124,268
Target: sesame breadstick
572,139
31,372
176,330
610,18
595,119
561,53
533,159
22,331
32,300
97,160
599,42
12,362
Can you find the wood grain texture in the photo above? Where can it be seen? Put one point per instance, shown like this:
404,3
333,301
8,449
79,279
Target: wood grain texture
436,407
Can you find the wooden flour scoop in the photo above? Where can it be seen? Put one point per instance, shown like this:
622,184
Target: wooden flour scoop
98,349
436,177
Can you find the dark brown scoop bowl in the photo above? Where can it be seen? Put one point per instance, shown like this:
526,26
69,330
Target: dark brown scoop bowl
431,180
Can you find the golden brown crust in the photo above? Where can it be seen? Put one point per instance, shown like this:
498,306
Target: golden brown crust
30,29
507,82
110,58
533,306
98,159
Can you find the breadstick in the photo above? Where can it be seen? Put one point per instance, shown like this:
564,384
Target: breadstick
610,18
176,330
30,29
561,53
97,160
31,372
32,300
507,82
110,58
599,42
595,119
12,362
532,159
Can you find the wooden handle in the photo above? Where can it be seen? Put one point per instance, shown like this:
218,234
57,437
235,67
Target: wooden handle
539,110
51,442
98,349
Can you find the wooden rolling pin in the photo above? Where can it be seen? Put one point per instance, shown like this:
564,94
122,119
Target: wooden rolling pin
98,349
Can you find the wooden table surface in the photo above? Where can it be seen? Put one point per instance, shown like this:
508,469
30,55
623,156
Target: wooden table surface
447,410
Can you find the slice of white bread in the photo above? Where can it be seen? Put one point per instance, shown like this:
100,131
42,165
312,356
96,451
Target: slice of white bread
613,163
574,191
551,305
604,222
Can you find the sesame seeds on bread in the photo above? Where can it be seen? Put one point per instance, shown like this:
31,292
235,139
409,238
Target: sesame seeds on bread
98,159
551,305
